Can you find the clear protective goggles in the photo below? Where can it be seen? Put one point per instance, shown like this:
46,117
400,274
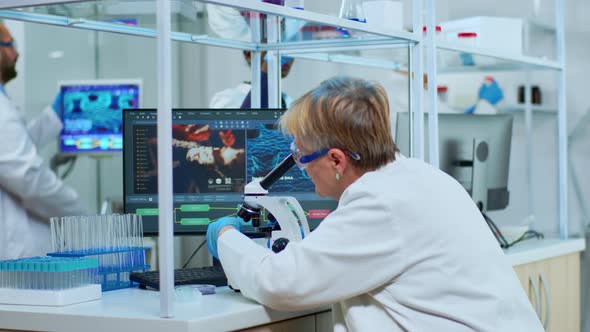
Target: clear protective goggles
302,160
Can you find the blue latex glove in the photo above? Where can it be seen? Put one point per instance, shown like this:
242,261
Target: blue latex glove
213,232
56,106
470,110
490,91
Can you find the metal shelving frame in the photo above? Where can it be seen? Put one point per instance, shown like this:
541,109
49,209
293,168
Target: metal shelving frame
514,63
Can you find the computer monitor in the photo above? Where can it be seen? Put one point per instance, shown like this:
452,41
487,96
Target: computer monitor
216,152
91,113
474,149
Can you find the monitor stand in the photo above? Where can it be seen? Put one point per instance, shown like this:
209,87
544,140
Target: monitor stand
479,190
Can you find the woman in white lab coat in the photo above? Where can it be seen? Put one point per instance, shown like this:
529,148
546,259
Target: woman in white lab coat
405,250
30,193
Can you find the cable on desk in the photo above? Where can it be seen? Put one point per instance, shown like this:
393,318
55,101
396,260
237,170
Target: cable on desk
194,253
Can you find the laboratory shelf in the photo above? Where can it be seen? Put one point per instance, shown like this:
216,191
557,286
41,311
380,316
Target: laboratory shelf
349,59
521,108
501,61
188,17
87,24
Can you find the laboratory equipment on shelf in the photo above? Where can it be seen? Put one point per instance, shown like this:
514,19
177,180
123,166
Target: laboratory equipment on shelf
297,4
286,211
353,10
275,2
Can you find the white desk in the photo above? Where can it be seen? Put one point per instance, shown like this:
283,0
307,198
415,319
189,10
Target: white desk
535,250
138,310
134,309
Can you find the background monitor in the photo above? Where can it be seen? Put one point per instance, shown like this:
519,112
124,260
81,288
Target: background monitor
482,169
92,114
216,152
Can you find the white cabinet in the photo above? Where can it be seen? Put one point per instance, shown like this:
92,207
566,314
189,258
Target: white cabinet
319,322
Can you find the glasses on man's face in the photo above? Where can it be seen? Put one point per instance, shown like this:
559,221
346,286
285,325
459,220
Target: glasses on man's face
10,43
302,160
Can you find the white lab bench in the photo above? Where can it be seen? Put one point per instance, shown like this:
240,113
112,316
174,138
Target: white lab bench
138,310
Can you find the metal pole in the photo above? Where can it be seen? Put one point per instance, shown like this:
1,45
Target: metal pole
272,62
417,84
528,124
255,60
165,229
561,122
410,102
432,89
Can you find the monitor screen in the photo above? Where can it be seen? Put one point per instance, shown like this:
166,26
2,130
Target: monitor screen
91,113
216,152
460,157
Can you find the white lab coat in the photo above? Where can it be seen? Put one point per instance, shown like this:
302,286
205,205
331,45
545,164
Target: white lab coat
406,250
234,97
30,193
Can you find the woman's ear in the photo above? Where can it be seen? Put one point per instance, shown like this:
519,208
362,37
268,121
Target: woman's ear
337,158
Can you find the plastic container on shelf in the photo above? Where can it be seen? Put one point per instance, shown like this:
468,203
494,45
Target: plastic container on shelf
384,13
500,34
442,93
353,10
468,39
275,2
439,36
297,4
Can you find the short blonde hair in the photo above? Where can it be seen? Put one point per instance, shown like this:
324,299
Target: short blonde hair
346,113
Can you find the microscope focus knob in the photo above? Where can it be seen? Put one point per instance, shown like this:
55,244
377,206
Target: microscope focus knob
279,244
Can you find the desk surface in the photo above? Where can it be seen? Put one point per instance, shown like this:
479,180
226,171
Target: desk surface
535,250
134,309
138,310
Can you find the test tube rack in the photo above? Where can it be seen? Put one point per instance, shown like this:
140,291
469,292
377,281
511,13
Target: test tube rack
114,266
49,281
116,241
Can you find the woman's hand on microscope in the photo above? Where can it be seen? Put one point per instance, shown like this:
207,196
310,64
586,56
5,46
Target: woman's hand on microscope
216,228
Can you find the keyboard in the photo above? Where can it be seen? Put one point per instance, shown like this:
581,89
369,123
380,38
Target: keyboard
210,275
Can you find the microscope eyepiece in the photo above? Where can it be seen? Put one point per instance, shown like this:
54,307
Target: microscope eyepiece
277,172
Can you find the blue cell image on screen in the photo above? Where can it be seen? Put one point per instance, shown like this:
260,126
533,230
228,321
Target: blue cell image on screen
267,147
92,116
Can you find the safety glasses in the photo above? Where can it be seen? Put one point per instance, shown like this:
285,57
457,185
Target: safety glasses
10,43
302,160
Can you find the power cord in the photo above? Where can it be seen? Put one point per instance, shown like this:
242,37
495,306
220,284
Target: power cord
194,253
502,240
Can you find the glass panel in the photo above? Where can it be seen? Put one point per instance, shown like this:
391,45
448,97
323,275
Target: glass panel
305,30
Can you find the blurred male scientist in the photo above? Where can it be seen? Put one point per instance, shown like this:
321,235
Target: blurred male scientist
30,193
229,23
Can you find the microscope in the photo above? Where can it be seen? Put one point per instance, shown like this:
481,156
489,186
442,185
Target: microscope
286,211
